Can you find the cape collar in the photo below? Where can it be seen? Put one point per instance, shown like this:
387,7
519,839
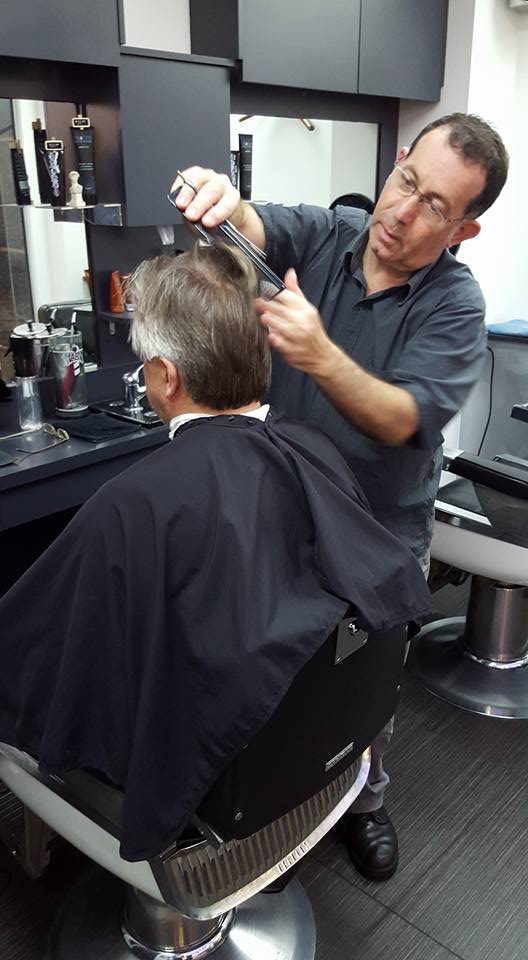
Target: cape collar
260,413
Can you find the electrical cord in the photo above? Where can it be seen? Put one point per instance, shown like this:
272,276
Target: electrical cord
490,399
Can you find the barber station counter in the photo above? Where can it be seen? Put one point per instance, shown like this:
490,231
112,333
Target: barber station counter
66,475
39,495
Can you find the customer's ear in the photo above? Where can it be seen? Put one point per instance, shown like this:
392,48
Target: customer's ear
171,377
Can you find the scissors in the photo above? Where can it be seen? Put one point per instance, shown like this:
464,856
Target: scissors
270,283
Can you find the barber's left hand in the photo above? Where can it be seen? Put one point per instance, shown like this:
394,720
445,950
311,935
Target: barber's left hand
295,328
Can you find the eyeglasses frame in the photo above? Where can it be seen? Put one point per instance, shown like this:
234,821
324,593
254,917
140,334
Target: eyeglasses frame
424,199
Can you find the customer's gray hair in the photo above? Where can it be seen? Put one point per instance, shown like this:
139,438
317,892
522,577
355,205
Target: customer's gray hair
197,311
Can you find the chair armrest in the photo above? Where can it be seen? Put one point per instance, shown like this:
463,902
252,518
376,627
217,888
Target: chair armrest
504,478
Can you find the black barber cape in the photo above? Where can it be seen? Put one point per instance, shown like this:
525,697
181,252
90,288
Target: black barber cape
161,629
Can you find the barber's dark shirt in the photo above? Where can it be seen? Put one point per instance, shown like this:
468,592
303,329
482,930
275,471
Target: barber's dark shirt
426,335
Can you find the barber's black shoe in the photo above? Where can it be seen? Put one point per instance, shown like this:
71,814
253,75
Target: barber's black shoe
372,844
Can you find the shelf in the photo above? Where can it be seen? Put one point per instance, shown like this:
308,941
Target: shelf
182,57
119,317
115,319
99,214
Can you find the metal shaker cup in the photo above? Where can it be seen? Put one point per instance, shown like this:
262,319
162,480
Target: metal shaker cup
67,360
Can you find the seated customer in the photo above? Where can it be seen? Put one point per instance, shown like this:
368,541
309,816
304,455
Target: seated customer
161,629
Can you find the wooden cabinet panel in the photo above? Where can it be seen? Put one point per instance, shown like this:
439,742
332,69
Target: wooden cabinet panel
299,44
61,30
396,46
402,48
289,44
173,114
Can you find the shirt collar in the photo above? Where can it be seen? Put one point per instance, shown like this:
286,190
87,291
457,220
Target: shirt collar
353,255
260,413
353,264
411,285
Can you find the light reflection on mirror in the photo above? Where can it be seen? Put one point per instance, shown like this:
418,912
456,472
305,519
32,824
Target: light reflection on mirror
291,164
41,261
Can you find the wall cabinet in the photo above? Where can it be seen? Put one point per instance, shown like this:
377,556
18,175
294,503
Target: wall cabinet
174,113
299,44
61,30
403,48
391,48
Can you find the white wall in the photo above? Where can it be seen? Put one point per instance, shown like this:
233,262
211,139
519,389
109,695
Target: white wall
158,24
499,92
354,159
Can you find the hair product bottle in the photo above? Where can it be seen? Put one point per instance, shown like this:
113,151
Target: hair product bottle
246,164
234,166
54,159
22,193
39,136
83,138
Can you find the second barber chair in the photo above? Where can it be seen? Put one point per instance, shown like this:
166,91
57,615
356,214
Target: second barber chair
203,895
480,662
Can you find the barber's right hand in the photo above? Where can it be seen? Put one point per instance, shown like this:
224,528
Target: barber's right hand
214,201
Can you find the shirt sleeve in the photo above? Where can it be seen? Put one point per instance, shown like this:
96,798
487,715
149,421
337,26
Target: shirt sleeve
302,237
441,364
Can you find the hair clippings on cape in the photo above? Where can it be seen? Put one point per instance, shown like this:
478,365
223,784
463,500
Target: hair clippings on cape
270,283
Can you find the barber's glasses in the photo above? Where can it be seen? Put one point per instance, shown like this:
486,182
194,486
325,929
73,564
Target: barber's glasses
270,284
404,183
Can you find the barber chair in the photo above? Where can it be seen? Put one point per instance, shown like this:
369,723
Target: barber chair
480,662
203,896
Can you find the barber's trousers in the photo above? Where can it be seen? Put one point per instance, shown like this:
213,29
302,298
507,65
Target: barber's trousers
371,797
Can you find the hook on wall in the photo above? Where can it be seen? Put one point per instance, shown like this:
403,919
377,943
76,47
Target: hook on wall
304,120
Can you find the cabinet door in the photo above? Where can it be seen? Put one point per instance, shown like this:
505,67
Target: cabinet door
300,44
173,114
61,30
402,48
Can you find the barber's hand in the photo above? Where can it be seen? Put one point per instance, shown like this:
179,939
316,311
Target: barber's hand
295,329
216,199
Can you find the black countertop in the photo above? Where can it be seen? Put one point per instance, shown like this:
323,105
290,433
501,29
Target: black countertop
66,475
73,454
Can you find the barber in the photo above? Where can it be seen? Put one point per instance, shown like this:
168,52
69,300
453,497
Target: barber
378,339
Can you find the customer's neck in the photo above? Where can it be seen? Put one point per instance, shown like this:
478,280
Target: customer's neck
179,410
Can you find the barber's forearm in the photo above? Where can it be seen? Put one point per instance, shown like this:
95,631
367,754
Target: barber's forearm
247,220
381,410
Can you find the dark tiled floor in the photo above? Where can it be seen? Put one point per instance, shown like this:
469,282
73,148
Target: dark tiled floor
459,799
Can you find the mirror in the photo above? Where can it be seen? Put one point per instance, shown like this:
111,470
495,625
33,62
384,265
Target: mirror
41,261
308,160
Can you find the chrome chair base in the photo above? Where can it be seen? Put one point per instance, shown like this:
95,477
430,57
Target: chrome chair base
439,659
92,925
